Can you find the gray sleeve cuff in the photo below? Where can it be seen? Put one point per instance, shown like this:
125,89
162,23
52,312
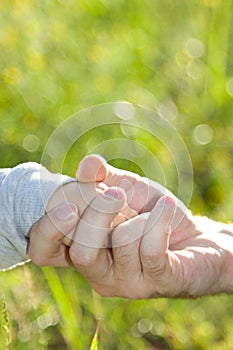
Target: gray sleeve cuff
24,193
3,174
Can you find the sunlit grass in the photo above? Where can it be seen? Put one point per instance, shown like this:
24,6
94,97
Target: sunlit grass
5,337
65,314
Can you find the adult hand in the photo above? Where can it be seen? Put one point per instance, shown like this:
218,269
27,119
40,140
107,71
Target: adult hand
163,252
142,193
151,266
142,263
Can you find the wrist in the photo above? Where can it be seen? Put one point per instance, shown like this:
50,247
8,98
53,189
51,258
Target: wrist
219,237
227,270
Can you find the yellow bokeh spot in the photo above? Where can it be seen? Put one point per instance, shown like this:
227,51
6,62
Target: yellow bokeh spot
58,31
104,83
9,37
31,28
12,75
98,54
36,61
22,8
211,3
9,136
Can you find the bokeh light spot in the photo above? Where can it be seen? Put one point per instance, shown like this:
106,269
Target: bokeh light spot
167,109
135,331
46,320
211,3
12,75
194,48
9,37
195,69
31,143
58,31
203,134
36,61
98,54
104,83
9,136
144,325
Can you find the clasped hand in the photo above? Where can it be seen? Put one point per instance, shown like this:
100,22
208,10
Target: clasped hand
162,251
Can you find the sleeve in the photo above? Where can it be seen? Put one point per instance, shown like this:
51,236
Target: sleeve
24,193
3,173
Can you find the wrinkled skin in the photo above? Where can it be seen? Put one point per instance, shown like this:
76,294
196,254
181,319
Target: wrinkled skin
163,251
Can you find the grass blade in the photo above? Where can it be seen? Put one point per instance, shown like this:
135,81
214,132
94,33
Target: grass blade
70,319
94,343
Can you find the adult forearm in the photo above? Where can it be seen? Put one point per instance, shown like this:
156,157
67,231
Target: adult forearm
218,237
227,276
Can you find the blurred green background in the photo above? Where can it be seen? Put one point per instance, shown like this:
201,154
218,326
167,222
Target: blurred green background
58,57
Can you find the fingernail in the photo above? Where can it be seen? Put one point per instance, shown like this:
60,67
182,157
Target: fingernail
166,200
67,211
169,200
114,193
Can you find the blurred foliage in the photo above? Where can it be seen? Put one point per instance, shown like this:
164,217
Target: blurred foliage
59,56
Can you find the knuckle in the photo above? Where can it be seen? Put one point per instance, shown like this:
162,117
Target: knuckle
121,241
154,263
80,259
121,236
122,256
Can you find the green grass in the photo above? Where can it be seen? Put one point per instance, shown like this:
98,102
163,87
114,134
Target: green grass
57,57
5,338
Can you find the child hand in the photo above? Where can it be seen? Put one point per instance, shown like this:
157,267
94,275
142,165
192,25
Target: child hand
82,196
